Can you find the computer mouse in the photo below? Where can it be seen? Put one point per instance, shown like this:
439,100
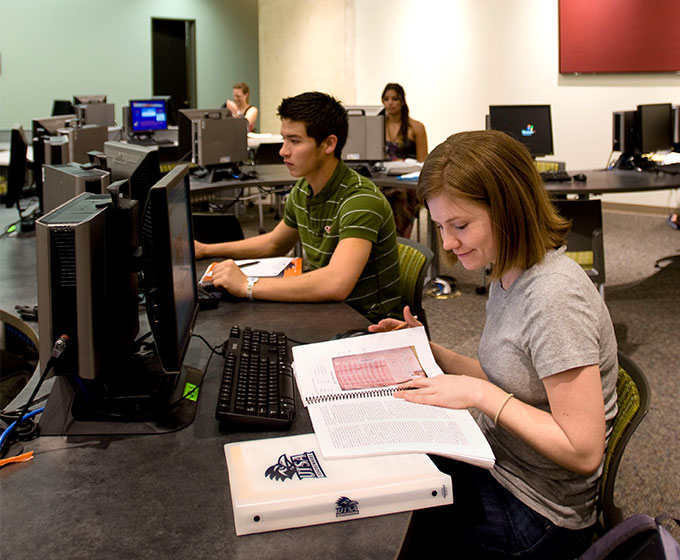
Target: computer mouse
351,333
580,177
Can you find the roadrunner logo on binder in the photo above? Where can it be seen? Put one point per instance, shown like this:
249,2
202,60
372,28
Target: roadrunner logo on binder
344,507
304,465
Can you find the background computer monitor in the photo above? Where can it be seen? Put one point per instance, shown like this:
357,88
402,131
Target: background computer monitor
184,118
530,124
62,107
49,126
169,273
138,164
148,115
653,127
93,98
16,177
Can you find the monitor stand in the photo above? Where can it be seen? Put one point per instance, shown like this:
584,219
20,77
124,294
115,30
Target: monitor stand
225,171
138,403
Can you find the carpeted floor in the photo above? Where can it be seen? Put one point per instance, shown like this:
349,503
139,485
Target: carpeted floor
644,302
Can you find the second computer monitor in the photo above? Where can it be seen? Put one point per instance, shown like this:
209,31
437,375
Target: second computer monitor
653,127
148,115
530,124
138,164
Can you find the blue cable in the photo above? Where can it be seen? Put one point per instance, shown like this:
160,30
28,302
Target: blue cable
9,428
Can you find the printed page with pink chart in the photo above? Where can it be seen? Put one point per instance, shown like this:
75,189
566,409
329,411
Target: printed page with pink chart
354,364
348,388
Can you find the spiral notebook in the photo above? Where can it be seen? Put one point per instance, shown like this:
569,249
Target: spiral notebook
348,387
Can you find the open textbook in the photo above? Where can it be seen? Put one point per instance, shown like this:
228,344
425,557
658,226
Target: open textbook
348,386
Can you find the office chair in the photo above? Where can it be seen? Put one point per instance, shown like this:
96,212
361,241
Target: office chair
414,262
633,397
584,241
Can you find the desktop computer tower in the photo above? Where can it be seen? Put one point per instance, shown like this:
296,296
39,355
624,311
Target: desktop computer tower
676,128
126,125
56,150
84,139
65,181
219,141
86,287
623,139
96,113
365,138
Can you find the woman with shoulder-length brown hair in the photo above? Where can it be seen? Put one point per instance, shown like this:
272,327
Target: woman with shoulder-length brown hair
545,377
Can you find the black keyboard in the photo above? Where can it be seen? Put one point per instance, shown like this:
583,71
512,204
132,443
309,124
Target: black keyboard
257,380
555,176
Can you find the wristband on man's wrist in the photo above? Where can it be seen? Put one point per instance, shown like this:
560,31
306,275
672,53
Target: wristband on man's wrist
249,290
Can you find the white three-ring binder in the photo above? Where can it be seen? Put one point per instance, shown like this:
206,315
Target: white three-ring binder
285,482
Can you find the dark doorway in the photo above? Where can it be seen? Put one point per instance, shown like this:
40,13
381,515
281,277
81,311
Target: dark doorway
174,63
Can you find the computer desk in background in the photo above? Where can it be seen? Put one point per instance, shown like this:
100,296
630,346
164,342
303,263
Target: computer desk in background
165,496
598,181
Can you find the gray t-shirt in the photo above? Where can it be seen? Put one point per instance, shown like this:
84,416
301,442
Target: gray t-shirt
551,319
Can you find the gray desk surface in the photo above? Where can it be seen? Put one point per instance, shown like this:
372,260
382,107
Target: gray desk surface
165,496
602,181
598,181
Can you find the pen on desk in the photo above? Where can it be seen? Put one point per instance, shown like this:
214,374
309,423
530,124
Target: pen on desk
251,263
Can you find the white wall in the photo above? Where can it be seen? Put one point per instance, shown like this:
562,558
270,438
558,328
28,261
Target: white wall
303,47
454,59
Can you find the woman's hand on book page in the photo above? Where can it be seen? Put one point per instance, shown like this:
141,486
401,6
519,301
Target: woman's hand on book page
450,391
386,325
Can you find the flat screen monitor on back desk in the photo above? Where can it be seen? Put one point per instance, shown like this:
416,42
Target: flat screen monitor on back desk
530,124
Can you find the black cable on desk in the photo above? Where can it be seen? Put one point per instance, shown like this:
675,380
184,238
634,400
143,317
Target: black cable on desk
57,350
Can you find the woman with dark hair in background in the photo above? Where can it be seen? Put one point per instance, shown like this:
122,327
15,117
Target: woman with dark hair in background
404,138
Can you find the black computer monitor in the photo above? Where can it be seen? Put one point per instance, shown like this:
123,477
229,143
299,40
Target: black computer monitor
170,283
61,107
49,126
92,98
530,124
148,115
16,178
140,165
87,289
653,128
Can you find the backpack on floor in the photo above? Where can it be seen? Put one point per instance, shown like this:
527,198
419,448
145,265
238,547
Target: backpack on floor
640,537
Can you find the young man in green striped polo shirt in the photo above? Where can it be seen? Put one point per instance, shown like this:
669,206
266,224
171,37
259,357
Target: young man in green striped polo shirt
344,222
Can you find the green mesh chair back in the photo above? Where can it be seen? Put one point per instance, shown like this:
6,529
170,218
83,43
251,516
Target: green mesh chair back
414,261
633,396
585,241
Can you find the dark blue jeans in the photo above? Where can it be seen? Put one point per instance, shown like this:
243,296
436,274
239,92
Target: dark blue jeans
487,521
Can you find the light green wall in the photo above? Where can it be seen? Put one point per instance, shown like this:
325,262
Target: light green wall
53,49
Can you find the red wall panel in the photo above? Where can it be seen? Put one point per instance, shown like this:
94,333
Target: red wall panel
619,35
